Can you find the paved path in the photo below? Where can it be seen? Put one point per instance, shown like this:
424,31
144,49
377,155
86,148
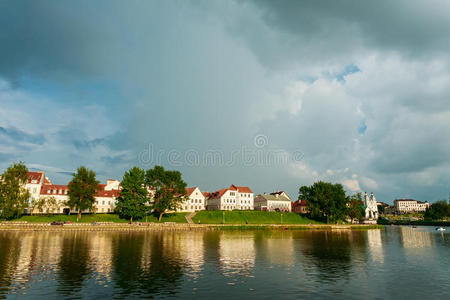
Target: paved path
190,216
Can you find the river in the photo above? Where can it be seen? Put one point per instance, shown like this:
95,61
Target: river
398,262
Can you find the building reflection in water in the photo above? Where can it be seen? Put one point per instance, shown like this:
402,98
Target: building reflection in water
237,253
100,253
190,248
414,238
278,248
375,245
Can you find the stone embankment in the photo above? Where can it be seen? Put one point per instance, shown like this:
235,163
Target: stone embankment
106,226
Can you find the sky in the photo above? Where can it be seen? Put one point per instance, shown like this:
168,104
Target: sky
268,94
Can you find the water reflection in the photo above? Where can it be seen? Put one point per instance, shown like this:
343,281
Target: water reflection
329,255
415,238
375,245
237,253
146,264
73,267
321,264
278,247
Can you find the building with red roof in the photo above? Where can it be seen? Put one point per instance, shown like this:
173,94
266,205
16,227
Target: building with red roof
232,198
195,200
300,207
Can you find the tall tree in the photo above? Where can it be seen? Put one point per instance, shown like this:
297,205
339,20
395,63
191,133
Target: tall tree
133,199
82,190
356,207
169,189
438,210
13,194
325,200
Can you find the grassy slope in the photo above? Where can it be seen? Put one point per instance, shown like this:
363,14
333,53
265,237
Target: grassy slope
253,217
175,217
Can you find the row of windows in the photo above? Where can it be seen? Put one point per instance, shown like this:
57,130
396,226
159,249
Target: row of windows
59,192
191,207
194,201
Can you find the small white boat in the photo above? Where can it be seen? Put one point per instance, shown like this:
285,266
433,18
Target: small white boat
440,229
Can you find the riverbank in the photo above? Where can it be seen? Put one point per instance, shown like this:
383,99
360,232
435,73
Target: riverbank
413,223
168,226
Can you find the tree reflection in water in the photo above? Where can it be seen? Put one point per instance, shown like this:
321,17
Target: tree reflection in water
145,265
9,257
73,267
331,253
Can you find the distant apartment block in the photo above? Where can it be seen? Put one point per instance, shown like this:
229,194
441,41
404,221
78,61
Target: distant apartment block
403,206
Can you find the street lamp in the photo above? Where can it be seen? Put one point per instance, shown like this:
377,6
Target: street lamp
223,217
281,218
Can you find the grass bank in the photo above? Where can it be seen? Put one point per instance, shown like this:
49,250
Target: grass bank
90,218
250,217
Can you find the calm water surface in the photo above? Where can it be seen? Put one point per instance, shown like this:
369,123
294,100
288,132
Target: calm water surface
399,262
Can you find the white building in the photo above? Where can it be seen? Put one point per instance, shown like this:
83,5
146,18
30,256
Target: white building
273,202
105,199
35,180
234,197
371,207
195,200
404,206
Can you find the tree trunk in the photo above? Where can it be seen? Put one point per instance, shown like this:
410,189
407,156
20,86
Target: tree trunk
79,214
131,220
328,219
160,216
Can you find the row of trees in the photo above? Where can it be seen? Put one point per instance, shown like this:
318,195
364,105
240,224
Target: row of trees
165,188
155,190
329,201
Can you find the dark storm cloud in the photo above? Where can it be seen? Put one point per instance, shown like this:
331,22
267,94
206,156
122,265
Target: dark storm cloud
52,39
412,27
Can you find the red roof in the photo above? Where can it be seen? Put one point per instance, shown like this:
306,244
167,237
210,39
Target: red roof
299,203
241,189
110,194
52,188
206,194
189,191
35,176
221,192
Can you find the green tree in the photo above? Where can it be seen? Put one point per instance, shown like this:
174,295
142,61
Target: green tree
438,210
355,207
82,190
133,199
325,200
169,189
13,194
45,204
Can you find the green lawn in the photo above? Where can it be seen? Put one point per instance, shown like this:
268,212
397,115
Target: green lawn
252,217
173,217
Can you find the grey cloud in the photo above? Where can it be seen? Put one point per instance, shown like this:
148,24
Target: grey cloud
335,27
20,136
